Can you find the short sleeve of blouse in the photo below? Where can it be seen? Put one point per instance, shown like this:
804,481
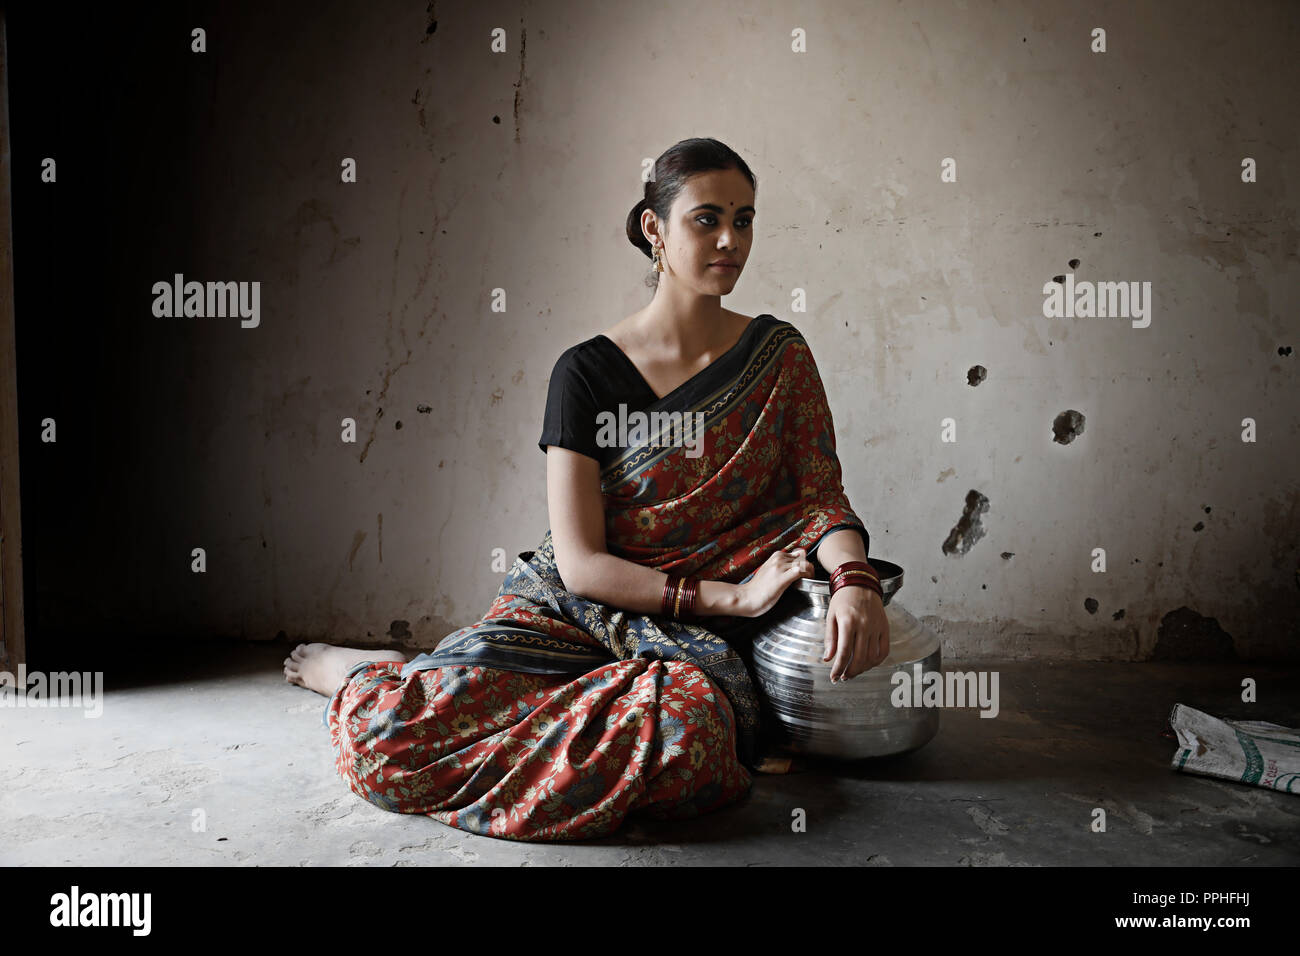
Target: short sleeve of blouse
570,416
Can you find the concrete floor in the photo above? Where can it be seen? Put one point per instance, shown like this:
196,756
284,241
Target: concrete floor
217,729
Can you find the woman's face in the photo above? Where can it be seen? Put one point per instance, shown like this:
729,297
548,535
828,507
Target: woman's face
711,220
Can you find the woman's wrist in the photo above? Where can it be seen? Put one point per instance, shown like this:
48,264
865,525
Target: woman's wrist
858,593
718,598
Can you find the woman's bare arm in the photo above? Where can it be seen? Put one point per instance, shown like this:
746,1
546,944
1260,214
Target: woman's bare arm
577,512
844,544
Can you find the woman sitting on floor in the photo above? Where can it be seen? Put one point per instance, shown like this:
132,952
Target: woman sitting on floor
612,674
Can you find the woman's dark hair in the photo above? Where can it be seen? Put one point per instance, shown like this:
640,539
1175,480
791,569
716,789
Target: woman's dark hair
673,167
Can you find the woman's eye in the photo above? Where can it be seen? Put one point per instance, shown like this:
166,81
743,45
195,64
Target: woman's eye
742,222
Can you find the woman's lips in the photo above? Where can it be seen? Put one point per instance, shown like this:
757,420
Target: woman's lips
718,265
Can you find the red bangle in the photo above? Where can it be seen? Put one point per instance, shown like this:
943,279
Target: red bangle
856,569
869,585
670,589
857,584
688,598
679,597
856,574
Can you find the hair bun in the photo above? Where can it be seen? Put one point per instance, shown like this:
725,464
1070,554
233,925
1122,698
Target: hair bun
634,233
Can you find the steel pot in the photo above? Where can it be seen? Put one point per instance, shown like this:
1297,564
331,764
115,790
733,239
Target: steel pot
849,720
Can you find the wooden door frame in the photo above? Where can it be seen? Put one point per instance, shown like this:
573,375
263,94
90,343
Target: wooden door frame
13,639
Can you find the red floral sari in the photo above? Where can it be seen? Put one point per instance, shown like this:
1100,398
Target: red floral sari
554,717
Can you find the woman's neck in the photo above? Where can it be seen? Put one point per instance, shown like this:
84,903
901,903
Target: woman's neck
685,329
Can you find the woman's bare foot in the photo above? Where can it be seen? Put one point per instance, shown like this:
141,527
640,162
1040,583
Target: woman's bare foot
320,667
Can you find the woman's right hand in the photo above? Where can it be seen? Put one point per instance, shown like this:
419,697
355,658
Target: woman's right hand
760,593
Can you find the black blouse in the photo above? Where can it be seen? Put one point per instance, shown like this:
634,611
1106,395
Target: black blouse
595,376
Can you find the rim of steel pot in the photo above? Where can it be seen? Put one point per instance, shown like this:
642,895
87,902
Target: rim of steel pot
818,587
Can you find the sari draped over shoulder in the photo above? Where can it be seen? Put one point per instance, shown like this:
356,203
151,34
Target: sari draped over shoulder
762,475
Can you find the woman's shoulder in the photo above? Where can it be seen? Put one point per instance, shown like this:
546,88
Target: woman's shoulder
580,353
777,322
590,366
768,320
783,329
762,320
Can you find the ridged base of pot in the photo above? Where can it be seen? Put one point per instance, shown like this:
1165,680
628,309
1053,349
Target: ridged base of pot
854,719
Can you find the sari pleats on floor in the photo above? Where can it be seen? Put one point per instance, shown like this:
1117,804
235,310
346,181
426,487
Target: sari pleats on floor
555,717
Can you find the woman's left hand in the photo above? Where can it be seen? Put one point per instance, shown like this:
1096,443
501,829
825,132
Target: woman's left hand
857,632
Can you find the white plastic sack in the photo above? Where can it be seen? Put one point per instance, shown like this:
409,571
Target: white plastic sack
1247,751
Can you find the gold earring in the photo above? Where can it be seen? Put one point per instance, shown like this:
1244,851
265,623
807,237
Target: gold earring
659,262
